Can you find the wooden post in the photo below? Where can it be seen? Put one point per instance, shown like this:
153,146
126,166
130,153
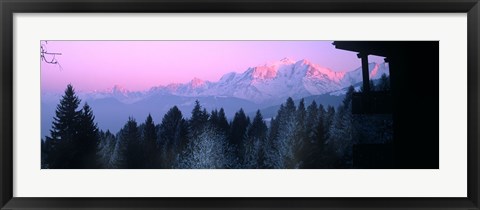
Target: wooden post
366,79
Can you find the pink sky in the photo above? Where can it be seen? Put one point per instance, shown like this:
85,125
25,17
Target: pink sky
140,65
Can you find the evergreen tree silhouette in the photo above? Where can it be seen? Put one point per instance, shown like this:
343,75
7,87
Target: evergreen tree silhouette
342,132
258,127
282,137
46,150
213,119
274,128
87,140
312,120
131,147
328,120
311,146
270,148
174,134
63,151
222,123
237,133
150,143
384,84
320,129
301,138
347,101
198,120
286,140
254,142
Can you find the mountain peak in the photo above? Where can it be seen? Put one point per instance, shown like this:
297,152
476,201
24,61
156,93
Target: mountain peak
264,72
287,60
197,82
119,89
304,62
173,86
283,61
374,71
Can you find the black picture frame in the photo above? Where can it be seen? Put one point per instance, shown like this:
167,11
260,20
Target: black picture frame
9,7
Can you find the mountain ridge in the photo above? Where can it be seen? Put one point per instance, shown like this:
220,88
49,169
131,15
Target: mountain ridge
271,82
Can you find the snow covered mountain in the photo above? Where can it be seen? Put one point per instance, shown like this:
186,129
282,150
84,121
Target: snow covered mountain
272,82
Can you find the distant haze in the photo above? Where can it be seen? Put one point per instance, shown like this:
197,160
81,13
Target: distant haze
140,65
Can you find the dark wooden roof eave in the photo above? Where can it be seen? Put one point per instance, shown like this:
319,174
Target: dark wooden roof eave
383,48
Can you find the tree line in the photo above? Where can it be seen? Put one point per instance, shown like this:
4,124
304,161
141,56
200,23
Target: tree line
299,136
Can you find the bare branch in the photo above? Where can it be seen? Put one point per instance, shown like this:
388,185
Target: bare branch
49,57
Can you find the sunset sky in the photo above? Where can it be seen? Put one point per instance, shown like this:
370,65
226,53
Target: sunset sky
140,65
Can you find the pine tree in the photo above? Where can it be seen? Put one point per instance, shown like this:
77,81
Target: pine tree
43,154
46,149
222,123
312,120
286,140
106,149
282,140
118,159
322,113
174,133
205,115
87,139
198,120
219,124
328,121
300,137
238,130
384,84
270,146
342,132
254,143
290,106
213,119
150,143
347,101
130,148
312,148
64,131
258,127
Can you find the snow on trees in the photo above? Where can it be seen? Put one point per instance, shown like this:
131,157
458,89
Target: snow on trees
254,142
206,151
106,149
297,137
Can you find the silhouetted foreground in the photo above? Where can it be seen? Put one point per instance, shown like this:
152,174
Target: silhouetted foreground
299,136
413,102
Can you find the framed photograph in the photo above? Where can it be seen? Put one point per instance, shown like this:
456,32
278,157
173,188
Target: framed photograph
239,105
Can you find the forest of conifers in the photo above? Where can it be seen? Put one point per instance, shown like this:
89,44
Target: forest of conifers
299,136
